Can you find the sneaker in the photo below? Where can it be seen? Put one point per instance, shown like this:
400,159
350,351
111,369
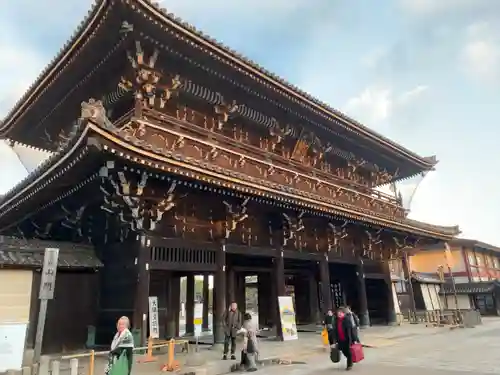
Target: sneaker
224,357
233,357
349,368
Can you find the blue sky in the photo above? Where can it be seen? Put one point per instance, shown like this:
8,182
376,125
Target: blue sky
425,73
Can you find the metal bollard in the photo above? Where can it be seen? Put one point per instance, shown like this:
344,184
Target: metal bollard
56,366
73,366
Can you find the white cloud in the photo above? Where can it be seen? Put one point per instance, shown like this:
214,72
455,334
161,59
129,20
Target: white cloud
408,96
481,52
438,7
376,104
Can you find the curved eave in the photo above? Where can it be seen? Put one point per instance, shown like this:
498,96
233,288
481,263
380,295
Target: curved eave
232,58
84,31
137,152
42,177
278,83
59,163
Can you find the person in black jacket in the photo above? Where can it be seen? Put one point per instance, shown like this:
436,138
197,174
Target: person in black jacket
355,322
342,334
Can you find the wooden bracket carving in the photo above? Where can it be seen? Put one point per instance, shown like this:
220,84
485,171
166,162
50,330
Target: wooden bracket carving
147,86
316,151
73,219
40,232
159,208
124,199
278,134
223,112
292,226
372,239
400,246
335,234
234,216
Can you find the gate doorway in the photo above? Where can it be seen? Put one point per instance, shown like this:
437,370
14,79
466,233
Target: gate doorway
377,294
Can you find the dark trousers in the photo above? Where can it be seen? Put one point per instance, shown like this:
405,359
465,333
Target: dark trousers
227,339
345,348
331,337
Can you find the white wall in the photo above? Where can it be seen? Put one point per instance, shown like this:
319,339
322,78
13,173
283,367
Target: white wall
15,295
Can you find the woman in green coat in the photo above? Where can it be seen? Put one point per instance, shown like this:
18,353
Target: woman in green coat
121,354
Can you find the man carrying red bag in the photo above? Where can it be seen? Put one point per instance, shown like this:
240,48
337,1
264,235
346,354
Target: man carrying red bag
344,336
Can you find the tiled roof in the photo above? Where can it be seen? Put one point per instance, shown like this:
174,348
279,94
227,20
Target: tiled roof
470,288
160,15
426,277
29,253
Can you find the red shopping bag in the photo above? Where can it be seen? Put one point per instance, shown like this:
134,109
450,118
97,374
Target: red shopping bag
357,352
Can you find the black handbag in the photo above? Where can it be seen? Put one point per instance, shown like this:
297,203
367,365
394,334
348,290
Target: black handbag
334,355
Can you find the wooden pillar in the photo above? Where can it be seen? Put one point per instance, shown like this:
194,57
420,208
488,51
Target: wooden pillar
263,295
231,286
190,285
142,290
241,298
176,307
172,305
363,314
314,312
219,294
392,318
409,284
280,288
326,290
206,302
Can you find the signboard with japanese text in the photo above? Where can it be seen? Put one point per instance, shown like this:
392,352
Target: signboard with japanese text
287,316
198,319
49,270
154,328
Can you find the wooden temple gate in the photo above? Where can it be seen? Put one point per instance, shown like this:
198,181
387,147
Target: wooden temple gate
197,161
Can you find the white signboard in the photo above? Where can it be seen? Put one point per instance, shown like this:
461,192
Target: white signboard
12,339
198,319
154,327
287,316
49,270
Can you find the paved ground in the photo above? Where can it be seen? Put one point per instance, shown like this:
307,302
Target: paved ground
408,350
442,352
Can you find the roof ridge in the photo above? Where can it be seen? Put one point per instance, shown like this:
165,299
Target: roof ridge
98,6
323,105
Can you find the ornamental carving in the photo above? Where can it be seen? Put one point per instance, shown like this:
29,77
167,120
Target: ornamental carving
223,111
224,157
124,196
235,214
372,242
335,235
150,87
292,225
94,111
